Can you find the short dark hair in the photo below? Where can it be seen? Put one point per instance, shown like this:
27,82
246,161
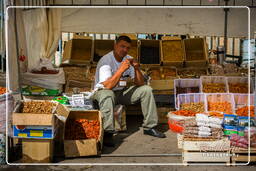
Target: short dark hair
124,38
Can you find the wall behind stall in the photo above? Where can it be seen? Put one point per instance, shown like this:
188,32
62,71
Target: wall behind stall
205,22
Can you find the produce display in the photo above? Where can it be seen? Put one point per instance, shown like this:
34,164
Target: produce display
183,90
44,107
216,70
2,90
155,74
185,113
216,114
169,73
244,111
194,107
238,88
191,73
220,106
214,88
77,129
203,126
230,68
252,135
238,141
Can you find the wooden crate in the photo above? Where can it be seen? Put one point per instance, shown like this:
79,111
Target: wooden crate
162,84
78,51
149,52
101,48
172,51
180,141
196,52
206,151
205,157
241,155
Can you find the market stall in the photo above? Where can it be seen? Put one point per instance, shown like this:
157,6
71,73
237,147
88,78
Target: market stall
210,106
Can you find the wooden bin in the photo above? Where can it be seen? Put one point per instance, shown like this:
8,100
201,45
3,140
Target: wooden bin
101,48
207,151
78,51
172,51
149,52
242,155
196,52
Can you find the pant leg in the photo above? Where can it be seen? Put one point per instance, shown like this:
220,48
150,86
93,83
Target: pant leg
144,95
106,101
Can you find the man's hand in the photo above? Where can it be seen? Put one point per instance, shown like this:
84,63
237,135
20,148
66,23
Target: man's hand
125,65
134,63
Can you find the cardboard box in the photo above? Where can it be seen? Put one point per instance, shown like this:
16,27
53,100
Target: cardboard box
39,126
78,51
84,147
101,48
37,151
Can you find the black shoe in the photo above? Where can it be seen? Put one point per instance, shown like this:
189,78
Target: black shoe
108,139
153,132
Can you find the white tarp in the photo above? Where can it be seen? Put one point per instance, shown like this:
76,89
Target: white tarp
194,21
42,29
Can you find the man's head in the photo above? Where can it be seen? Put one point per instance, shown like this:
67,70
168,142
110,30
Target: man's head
122,46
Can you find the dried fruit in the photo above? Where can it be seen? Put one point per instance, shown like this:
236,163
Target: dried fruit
195,107
243,111
185,113
220,106
238,88
77,129
183,90
44,107
214,88
2,90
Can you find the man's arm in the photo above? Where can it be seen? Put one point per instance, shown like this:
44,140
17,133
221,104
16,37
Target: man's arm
111,82
139,78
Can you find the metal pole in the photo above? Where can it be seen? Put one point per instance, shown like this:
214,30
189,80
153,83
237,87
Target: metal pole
17,47
226,27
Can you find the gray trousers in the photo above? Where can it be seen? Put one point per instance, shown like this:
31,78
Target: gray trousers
107,99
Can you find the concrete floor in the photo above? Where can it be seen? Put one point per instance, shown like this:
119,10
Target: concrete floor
133,142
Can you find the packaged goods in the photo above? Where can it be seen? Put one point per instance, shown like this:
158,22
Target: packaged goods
230,120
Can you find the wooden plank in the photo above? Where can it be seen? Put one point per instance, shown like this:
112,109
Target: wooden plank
218,145
180,141
206,157
243,158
